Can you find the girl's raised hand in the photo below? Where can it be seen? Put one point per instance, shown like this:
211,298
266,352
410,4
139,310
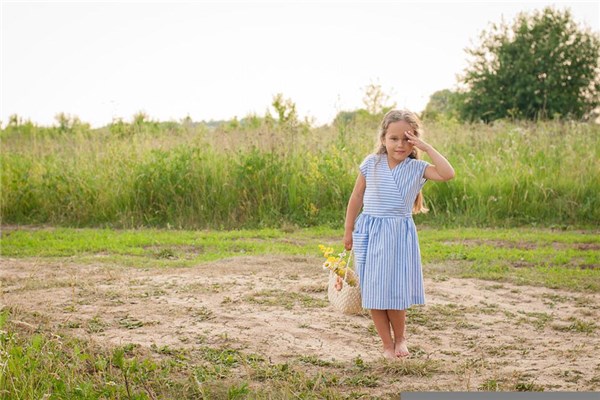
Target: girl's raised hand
415,141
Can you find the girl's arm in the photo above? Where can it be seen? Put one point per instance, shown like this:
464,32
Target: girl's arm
354,206
441,170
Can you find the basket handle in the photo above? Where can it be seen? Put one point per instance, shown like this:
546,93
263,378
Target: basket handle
348,265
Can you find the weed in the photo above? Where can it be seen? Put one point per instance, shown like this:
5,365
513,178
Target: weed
128,322
313,360
238,391
165,254
203,314
528,387
362,380
412,367
538,319
490,385
96,325
576,325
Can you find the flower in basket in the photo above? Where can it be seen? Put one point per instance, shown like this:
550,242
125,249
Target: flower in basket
339,265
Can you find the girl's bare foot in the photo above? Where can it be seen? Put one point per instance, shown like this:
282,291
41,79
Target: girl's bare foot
389,353
400,348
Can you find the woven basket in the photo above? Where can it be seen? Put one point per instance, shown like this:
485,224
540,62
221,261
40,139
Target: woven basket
346,300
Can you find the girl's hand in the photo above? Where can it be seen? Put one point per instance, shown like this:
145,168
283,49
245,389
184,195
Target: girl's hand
418,143
348,240
339,285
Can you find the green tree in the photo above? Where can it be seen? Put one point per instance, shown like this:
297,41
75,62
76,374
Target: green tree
444,104
68,123
376,99
376,102
543,66
286,110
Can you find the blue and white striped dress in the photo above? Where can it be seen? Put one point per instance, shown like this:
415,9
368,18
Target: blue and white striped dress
385,242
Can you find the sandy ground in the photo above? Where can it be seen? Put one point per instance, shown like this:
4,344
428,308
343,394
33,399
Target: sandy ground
478,331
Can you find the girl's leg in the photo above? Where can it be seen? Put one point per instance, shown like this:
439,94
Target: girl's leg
398,321
382,324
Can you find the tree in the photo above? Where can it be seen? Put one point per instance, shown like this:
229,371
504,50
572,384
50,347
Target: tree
544,66
70,124
375,99
286,110
287,115
443,104
376,102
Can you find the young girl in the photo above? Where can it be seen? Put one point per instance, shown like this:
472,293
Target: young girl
384,236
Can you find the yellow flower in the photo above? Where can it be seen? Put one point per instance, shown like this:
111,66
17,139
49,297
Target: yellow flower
339,265
327,251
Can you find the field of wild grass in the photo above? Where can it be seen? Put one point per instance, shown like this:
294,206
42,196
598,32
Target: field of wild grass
263,174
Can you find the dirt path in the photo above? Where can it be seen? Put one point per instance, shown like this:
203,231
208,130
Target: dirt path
480,332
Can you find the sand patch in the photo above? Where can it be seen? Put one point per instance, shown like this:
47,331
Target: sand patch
276,306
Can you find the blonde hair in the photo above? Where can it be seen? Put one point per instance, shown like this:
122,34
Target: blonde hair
415,123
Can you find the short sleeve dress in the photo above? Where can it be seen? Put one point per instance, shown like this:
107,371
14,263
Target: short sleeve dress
385,242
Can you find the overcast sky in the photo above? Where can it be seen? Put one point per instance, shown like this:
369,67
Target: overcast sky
216,60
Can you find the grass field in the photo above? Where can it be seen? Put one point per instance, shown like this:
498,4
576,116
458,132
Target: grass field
262,175
556,259
150,313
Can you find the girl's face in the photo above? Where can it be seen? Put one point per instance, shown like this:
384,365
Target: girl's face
396,143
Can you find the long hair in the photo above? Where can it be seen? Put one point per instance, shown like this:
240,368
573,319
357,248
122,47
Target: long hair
415,123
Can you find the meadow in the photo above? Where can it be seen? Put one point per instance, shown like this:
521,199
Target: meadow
259,173
151,260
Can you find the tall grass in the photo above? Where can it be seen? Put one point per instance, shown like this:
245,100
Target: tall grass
262,174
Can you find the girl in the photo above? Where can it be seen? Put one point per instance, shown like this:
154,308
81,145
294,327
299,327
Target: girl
384,236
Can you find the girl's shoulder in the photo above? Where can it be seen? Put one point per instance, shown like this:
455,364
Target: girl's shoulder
371,158
368,163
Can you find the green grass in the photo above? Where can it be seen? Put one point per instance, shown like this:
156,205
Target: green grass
555,259
157,247
36,365
170,175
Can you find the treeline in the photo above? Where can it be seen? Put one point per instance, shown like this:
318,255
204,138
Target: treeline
542,66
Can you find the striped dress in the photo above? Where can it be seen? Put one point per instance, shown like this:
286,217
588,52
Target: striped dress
385,242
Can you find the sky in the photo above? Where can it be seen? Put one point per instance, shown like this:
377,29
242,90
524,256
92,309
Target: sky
101,61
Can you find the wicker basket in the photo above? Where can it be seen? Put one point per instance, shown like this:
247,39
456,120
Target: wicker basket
347,299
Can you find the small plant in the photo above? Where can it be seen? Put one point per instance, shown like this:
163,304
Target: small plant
528,387
166,254
128,322
203,314
491,385
238,391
